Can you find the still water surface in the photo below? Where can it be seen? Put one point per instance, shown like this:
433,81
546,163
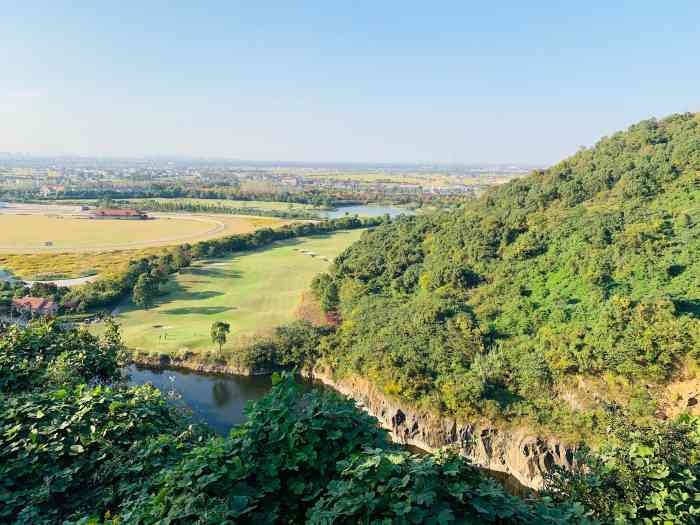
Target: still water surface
214,399
366,211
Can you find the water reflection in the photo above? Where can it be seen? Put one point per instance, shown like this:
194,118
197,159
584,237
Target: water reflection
221,393
216,400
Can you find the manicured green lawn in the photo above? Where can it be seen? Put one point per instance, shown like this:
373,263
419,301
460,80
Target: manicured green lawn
255,292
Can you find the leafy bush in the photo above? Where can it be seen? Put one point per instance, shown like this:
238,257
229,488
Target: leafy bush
394,487
71,452
45,353
640,475
270,469
292,346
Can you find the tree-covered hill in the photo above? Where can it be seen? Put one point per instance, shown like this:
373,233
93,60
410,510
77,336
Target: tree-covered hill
546,301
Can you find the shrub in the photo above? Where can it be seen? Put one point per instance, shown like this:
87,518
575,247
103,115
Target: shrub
394,487
270,469
71,452
641,475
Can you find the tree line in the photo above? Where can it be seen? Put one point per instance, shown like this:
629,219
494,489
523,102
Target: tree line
176,205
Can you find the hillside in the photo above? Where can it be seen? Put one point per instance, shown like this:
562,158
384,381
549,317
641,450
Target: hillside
548,301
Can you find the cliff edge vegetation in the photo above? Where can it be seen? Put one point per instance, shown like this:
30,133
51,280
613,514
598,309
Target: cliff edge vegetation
549,302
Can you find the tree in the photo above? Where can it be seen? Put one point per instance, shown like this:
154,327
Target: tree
145,290
219,331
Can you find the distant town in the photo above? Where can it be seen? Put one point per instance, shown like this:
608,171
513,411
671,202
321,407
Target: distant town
63,177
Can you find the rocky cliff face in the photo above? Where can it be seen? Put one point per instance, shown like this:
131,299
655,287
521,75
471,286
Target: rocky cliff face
514,452
188,362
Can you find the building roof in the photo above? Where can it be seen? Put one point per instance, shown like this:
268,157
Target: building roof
118,212
35,304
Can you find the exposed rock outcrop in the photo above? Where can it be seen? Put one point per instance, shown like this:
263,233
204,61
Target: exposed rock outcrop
681,396
515,452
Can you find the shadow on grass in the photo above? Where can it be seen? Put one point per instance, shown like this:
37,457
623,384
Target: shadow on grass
198,310
200,296
214,272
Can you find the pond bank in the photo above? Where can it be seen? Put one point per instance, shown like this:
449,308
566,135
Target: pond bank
514,456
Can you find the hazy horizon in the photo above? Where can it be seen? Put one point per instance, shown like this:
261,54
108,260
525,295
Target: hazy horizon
394,83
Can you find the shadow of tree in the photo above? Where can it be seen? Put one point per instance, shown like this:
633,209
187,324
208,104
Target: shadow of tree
215,272
688,307
200,296
199,310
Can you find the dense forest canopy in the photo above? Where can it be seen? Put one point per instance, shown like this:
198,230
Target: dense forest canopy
547,300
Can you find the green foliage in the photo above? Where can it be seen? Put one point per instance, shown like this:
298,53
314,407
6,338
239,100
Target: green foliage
586,270
326,291
145,290
112,455
297,344
69,452
219,331
43,353
269,470
294,346
394,487
641,475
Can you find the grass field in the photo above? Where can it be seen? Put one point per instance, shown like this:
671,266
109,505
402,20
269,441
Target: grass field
29,233
255,292
82,246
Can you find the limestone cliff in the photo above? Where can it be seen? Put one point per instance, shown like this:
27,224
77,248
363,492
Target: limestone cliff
514,452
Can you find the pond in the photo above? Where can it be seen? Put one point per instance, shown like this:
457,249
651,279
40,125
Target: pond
366,210
216,400
220,401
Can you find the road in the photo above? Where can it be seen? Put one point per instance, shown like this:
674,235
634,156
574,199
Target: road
4,276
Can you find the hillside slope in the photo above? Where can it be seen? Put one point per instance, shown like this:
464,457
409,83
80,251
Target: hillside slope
543,303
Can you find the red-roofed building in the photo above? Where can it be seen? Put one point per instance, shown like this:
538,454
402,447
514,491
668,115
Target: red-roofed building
35,306
118,213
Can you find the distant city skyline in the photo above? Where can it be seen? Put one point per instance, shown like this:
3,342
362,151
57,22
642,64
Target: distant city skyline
367,83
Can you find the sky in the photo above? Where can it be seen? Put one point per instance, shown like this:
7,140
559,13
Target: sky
362,81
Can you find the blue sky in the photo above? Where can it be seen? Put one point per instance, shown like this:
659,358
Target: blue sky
340,81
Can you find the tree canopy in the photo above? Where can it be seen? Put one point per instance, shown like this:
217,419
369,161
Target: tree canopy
544,300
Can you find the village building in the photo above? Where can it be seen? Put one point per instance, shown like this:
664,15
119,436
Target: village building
35,306
52,189
118,213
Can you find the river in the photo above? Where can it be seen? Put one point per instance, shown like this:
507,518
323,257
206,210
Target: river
366,210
